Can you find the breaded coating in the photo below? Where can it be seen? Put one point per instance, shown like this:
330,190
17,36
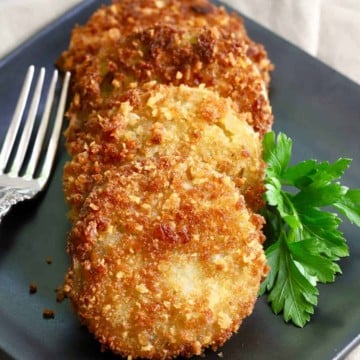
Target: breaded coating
173,121
125,17
169,55
166,259
168,111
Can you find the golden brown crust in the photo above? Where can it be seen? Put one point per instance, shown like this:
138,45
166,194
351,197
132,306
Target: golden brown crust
169,106
168,120
166,259
127,16
169,55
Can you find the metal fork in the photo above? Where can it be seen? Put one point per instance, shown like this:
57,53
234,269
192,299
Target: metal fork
17,184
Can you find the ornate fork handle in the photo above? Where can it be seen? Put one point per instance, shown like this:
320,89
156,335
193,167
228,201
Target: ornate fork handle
9,197
16,185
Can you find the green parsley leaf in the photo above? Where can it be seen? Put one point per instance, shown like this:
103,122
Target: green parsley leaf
307,254
277,152
303,242
290,291
324,226
316,174
349,205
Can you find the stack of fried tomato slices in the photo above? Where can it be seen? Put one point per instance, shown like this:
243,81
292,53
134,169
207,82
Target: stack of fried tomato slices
168,109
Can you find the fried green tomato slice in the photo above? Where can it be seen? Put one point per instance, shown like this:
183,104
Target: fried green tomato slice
161,120
169,55
166,259
124,17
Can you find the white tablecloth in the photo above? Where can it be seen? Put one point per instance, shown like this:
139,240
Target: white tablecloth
327,29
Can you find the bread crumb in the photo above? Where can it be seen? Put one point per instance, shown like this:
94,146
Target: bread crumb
49,260
48,314
32,288
60,294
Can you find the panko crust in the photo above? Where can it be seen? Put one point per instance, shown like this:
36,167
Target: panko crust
166,259
163,120
169,55
128,16
169,107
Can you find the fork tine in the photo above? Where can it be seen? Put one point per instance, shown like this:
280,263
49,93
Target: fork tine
54,139
30,169
28,127
15,122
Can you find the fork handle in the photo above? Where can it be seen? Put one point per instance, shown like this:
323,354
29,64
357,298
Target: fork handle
8,198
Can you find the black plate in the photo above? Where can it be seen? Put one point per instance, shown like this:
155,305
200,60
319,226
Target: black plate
317,107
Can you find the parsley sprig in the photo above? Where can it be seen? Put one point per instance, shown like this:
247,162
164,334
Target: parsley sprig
304,240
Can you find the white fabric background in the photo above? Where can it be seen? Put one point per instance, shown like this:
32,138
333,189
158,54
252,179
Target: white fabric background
327,29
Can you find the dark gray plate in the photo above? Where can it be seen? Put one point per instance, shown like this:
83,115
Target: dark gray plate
313,104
